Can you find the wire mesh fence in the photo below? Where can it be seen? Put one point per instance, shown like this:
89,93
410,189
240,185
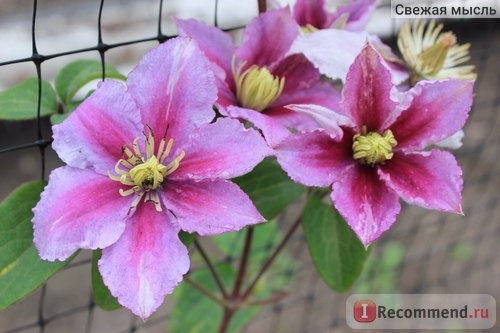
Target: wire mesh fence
426,252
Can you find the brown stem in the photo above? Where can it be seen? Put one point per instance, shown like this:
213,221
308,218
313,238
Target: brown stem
226,319
272,257
262,6
243,263
235,295
211,267
205,291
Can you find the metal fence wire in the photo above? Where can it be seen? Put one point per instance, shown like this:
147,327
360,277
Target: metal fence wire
426,252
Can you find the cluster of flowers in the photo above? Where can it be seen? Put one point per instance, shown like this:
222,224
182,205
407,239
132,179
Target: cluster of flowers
150,158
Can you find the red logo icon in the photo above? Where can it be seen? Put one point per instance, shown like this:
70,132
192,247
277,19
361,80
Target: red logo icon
364,311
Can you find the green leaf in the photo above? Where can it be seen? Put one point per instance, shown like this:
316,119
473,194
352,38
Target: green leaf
21,101
21,269
195,313
76,74
337,253
186,238
269,187
102,295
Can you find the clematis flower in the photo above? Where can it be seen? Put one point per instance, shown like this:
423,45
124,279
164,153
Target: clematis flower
144,162
433,55
313,15
257,79
377,155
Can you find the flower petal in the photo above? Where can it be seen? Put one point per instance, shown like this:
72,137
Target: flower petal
303,84
209,207
367,91
288,118
216,44
146,263
260,46
95,132
368,205
429,179
358,11
437,110
324,117
311,12
314,158
322,49
224,149
78,209
453,142
273,130
173,86
219,49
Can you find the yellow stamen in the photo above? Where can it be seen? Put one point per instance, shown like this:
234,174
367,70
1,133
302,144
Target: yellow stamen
145,175
431,60
373,148
256,88
308,28
432,54
148,175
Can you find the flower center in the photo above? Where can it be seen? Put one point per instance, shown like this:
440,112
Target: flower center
146,174
256,88
431,60
372,148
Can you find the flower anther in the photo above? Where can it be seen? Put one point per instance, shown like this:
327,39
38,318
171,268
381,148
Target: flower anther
372,148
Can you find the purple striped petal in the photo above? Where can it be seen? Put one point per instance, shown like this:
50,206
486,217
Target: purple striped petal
429,179
216,44
313,158
95,132
268,38
311,12
174,88
324,117
146,263
437,110
209,207
358,13
303,84
367,91
78,209
367,204
224,149
273,130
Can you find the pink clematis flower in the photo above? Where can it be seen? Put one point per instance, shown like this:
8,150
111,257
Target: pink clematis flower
376,155
312,15
143,163
257,79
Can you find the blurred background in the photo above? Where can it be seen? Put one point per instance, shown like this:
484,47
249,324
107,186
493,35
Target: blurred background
426,252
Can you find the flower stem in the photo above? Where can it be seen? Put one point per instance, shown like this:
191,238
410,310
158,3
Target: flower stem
228,314
243,263
205,291
262,6
272,257
212,269
235,295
